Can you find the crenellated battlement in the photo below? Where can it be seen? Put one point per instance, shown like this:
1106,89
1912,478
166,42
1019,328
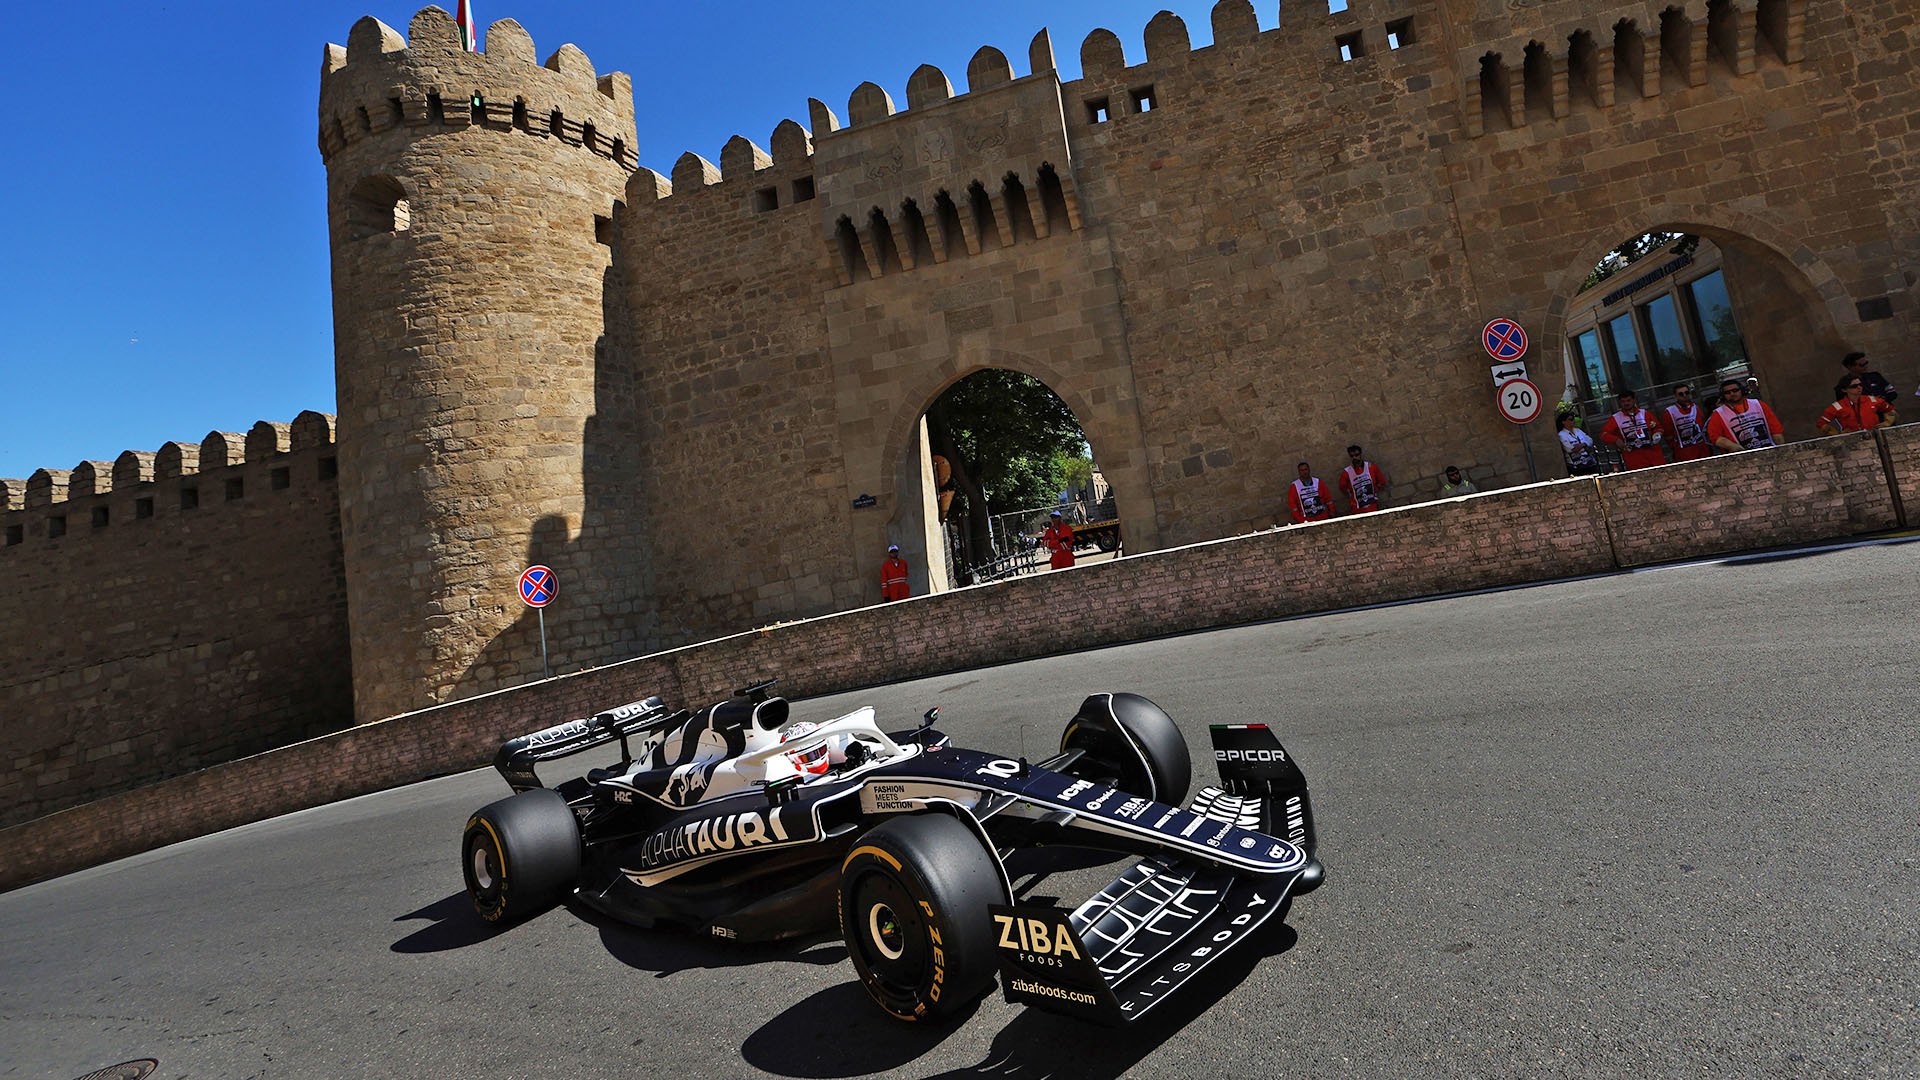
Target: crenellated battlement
427,83
223,467
958,172
1544,73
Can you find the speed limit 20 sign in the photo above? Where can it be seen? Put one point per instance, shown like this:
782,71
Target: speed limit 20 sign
1519,400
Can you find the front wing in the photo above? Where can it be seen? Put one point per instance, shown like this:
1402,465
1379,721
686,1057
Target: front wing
1142,937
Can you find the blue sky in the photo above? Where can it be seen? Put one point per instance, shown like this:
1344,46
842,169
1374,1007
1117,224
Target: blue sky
165,263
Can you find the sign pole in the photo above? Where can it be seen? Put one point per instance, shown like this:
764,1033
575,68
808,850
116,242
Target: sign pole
547,672
538,587
1506,342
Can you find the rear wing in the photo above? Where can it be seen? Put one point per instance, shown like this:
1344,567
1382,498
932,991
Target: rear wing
517,757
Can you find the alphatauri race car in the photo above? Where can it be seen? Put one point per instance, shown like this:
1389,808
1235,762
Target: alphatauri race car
741,823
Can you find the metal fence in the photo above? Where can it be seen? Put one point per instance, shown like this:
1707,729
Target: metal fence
1020,530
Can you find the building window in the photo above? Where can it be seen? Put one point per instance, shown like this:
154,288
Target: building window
803,189
1719,337
142,508
16,534
189,498
100,517
1350,48
1400,33
1666,344
282,478
236,489
329,468
1618,332
1097,111
377,204
56,526
765,199
1143,99
1593,364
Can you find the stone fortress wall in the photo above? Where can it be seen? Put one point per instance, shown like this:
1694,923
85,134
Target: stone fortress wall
171,610
677,389
1229,258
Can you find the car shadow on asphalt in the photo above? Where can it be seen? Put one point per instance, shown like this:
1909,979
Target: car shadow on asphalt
455,926
838,1032
667,952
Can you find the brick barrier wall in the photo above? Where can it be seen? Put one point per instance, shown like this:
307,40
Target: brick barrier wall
1901,447
1807,491
1797,493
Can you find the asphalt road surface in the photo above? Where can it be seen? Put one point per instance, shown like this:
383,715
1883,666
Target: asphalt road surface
1653,825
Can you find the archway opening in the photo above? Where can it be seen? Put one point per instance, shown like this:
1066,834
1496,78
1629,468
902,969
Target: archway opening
1692,305
1005,453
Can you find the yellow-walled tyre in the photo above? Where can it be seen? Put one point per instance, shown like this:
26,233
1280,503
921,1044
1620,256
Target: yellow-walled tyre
913,909
520,855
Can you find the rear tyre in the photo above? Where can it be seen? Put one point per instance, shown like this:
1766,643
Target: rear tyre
1130,738
520,855
913,910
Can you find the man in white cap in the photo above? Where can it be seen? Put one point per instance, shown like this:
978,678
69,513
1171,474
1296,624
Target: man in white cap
893,575
1059,541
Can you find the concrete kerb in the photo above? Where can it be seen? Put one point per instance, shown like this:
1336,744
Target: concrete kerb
1535,534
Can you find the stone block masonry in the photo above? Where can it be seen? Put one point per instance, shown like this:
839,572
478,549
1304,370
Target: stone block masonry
1540,532
168,612
696,394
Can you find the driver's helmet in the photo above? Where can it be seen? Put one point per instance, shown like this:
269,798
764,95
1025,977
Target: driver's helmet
808,760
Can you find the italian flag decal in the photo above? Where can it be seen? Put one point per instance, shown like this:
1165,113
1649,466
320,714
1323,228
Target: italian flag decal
465,19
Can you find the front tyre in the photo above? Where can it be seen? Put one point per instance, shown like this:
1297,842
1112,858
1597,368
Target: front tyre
1132,740
520,855
913,910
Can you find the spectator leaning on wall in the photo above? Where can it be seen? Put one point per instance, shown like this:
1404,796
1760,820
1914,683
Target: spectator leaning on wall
1452,483
1854,409
893,576
1874,382
1686,426
1577,446
1742,423
1364,483
1634,432
1308,498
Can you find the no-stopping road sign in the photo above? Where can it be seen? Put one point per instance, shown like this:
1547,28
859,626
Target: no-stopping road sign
537,586
1504,340
1519,400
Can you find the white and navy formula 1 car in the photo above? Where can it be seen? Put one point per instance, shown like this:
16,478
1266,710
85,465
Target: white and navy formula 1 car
740,823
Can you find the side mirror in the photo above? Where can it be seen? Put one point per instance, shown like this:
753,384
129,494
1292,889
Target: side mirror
929,718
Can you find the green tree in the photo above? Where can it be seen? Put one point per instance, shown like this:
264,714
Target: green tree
1005,435
1633,251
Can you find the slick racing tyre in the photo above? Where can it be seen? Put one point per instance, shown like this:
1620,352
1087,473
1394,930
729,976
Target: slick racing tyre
520,855
1127,737
913,909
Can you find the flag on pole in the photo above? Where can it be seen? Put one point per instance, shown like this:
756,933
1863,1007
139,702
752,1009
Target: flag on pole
465,19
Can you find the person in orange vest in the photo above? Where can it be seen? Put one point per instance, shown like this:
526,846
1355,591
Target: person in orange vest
1854,409
1059,541
1308,498
1634,432
1742,423
893,576
1686,426
1363,482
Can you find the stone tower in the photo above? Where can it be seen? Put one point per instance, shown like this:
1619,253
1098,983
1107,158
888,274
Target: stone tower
470,199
